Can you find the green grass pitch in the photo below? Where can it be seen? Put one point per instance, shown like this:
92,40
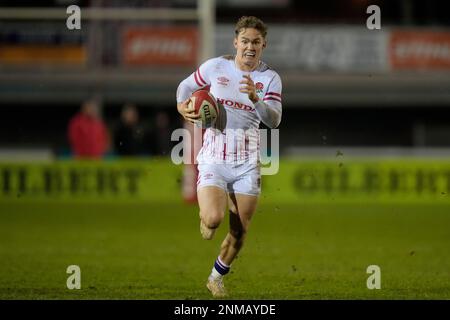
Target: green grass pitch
149,251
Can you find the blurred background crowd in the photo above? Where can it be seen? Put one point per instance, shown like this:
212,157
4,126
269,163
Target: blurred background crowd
344,85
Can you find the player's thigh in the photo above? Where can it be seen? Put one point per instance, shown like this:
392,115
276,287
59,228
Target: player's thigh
212,201
242,207
244,194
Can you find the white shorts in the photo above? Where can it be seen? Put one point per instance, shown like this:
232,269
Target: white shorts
242,178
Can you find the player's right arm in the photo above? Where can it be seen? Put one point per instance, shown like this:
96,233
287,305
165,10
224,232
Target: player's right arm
199,79
187,113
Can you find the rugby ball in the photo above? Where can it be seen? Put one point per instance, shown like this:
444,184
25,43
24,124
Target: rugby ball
204,103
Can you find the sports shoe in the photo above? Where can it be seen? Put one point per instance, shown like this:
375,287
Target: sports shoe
206,232
216,287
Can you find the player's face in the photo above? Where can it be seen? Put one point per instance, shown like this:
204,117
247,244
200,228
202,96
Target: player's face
249,45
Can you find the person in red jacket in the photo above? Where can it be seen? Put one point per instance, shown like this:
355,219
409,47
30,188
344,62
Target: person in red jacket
88,135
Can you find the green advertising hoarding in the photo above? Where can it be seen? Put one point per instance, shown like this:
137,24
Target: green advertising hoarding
115,180
159,180
360,180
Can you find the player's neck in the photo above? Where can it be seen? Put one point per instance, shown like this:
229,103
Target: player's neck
244,67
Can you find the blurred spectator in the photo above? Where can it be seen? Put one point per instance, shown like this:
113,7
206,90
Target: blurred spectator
129,134
87,133
161,143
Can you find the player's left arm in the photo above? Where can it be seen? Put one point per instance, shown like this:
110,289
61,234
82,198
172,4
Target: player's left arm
269,108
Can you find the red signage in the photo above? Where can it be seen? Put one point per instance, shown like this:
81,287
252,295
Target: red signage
160,46
419,49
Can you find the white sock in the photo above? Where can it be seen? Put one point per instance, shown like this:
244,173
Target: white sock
219,269
215,275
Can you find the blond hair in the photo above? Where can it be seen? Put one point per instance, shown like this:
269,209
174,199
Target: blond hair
250,22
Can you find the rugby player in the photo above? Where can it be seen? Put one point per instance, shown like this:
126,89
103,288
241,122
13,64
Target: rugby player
228,162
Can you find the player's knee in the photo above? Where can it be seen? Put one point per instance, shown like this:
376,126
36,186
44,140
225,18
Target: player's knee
213,219
238,230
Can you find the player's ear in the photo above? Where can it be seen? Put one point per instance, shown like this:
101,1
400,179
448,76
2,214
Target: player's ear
264,43
235,42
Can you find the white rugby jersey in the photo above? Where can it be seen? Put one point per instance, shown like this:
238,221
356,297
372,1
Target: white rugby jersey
239,142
